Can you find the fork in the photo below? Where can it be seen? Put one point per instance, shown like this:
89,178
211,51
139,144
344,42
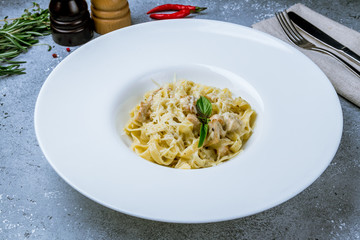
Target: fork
295,37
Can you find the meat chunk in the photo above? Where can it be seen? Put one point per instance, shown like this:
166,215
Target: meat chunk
232,122
195,121
216,130
188,104
144,112
223,151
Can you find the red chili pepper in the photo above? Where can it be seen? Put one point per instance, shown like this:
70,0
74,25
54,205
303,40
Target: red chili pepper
180,14
176,7
55,55
68,49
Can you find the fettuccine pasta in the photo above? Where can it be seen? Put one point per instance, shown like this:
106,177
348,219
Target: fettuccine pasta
164,126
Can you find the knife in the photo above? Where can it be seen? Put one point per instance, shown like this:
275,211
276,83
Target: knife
321,36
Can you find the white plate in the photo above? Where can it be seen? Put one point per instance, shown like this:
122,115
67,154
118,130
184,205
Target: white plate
85,102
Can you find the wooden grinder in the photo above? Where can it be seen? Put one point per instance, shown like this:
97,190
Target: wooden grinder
109,15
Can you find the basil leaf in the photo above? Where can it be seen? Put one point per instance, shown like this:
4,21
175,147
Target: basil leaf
202,119
203,133
204,107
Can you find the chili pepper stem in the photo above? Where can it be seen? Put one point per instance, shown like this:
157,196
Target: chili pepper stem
198,9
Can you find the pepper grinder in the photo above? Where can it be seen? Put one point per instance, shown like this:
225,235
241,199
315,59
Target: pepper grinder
70,22
109,15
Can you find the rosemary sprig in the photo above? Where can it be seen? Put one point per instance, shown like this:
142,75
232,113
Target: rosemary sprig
19,35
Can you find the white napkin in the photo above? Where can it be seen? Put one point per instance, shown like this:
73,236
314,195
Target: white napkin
345,83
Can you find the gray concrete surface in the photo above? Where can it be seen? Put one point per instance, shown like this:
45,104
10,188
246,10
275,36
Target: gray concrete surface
35,203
